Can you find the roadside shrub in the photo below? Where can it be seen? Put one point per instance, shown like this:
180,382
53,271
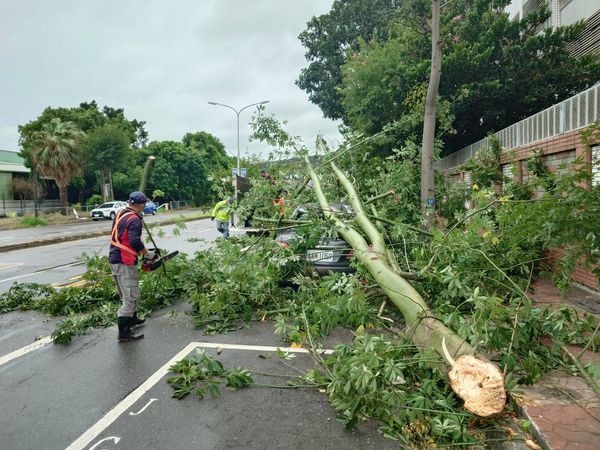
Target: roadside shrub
31,221
95,199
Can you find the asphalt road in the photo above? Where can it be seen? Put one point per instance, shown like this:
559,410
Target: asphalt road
75,229
98,394
58,263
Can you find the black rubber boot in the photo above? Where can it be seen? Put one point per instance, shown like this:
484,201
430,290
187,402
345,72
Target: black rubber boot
137,321
125,333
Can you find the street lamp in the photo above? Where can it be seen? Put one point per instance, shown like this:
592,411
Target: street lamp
237,113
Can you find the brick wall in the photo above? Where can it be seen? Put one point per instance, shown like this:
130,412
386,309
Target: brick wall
557,151
581,274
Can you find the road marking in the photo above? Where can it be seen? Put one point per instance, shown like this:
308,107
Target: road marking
83,441
10,265
115,439
24,350
7,237
74,284
142,410
40,271
127,402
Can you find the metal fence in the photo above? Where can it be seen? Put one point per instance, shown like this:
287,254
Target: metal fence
576,112
18,207
21,208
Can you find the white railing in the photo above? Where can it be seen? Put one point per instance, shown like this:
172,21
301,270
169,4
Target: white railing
576,112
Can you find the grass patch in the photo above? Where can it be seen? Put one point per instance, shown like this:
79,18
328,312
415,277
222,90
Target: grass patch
31,221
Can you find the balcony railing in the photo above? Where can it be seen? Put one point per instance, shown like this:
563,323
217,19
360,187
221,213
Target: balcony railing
576,112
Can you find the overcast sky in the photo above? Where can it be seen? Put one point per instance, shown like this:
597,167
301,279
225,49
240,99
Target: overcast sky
162,61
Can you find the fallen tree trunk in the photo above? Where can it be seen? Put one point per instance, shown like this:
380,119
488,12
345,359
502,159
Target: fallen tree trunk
477,381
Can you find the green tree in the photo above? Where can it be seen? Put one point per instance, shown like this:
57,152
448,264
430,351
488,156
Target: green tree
178,171
56,151
329,38
105,150
496,71
212,150
87,117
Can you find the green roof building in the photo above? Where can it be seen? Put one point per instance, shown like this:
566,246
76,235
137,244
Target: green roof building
10,163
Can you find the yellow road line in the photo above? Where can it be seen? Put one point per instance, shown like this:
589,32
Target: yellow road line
10,265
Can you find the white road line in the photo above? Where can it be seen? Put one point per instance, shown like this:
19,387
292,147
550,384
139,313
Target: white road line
40,271
84,440
127,402
258,348
24,350
115,439
7,237
142,410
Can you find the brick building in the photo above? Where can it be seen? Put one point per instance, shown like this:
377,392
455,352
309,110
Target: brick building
556,134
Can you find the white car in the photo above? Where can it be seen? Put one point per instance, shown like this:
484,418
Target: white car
107,210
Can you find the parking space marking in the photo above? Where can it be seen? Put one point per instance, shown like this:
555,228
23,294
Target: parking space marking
24,350
84,440
128,401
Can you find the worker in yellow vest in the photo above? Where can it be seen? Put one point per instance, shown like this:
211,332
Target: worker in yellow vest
223,213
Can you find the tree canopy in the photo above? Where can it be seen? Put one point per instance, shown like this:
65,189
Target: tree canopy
495,71
329,37
106,148
56,151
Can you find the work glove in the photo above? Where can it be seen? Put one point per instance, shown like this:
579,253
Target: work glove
212,218
150,255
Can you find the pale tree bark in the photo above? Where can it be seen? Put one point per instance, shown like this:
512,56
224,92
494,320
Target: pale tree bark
427,175
477,381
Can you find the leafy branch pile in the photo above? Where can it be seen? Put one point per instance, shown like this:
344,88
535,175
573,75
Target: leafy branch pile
92,304
204,374
474,268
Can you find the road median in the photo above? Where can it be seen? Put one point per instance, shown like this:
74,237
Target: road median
93,234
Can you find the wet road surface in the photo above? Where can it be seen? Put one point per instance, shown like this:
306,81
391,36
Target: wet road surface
98,394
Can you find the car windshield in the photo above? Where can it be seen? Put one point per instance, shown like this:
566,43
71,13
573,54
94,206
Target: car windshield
106,205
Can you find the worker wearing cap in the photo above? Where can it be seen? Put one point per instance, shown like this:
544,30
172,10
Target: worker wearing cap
222,213
125,247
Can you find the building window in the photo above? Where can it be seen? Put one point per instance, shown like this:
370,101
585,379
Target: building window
507,175
467,178
596,165
564,3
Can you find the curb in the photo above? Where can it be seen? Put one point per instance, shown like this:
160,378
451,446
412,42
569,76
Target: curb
536,431
58,240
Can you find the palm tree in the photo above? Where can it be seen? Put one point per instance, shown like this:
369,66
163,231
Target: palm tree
57,152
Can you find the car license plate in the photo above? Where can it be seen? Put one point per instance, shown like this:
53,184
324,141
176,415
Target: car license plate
320,256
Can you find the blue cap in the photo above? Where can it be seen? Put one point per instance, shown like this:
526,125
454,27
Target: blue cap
137,198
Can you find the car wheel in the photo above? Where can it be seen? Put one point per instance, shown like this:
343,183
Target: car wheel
112,215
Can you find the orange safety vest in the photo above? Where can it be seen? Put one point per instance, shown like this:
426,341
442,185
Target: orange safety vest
114,238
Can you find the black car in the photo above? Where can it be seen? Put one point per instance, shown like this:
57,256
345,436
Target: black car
331,254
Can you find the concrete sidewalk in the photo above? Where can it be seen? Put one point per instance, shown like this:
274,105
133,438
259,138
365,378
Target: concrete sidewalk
563,409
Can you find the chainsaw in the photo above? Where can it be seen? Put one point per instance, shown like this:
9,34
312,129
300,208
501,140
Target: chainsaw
150,265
